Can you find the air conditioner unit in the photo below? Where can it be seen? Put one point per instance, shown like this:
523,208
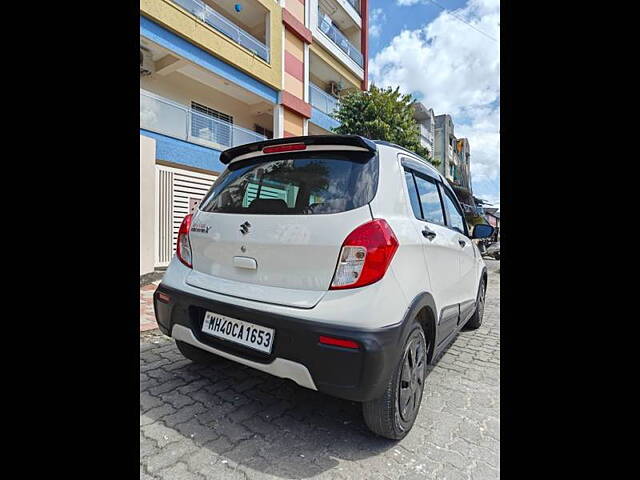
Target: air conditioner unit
147,66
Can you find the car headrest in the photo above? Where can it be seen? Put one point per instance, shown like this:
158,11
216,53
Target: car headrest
268,205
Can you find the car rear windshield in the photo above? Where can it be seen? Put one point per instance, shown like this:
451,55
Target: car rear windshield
304,183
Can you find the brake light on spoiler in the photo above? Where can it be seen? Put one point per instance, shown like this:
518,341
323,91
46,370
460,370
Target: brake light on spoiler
284,148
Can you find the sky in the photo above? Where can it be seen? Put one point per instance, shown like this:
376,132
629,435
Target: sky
439,56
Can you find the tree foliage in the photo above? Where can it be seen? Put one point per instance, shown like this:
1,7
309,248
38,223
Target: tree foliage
381,114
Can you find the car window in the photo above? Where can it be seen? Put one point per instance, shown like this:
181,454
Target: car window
306,183
413,194
456,219
429,200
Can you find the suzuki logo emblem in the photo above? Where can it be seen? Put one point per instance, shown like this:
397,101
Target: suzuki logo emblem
244,228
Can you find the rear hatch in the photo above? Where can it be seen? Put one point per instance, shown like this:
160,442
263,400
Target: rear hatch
272,226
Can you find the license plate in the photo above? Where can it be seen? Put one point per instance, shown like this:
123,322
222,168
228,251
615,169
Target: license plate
238,331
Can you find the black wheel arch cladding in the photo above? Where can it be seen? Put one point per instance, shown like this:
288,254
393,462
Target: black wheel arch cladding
422,309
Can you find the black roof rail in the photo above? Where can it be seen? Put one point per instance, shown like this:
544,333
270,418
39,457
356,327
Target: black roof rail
351,140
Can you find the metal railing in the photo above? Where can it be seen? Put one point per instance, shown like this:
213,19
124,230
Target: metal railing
209,16
337,37
174,120
322,101
355,4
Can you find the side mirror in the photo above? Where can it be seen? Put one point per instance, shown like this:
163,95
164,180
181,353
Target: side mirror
482,230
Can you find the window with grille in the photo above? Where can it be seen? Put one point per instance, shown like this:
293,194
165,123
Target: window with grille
211,125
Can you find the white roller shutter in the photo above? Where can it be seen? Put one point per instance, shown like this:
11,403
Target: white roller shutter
178,192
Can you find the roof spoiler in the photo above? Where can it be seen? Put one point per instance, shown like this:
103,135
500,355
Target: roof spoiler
350,140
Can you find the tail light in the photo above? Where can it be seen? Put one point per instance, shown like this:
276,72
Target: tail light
365,256
183,245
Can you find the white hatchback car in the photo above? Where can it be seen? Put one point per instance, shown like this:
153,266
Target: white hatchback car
338,262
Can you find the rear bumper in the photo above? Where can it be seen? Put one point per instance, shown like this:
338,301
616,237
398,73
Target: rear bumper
357,375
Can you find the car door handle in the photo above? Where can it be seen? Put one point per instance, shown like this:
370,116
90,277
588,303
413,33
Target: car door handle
462,243
428,233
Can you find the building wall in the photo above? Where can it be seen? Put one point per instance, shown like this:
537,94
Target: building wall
294,97
173,17
464,152
354,81
183,90
180,152
147,203
443,132
336,51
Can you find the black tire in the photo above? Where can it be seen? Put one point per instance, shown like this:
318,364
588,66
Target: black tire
476,319
384,416
194,354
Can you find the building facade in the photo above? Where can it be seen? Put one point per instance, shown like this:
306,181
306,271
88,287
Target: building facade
462,170
444,145
217,74
454,155
427,124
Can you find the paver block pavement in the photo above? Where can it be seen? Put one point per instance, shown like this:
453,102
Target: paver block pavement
228,421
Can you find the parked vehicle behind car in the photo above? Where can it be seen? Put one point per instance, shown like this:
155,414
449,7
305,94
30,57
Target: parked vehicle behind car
493,250
338,262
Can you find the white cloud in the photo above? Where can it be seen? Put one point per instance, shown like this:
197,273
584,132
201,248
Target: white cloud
376,19
456,69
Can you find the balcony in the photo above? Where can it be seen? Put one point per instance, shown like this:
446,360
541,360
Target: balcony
174,120
326,26
208,15
451,155
322,101
426,134
355,4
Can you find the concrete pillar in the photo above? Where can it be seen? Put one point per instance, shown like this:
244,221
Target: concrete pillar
295,94
278,121
147,203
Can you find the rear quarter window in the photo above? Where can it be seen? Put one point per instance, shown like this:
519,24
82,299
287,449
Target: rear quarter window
304,183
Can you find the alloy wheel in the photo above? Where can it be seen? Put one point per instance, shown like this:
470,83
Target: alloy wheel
412,378
481,303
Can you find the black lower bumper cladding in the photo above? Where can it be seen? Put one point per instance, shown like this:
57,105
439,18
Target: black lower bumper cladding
353,374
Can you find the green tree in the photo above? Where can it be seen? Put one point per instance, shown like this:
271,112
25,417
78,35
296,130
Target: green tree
381,114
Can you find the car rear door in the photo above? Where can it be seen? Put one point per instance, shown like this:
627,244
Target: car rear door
466,253
272,226
440,248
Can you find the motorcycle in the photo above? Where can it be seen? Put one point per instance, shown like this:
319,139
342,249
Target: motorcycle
493,250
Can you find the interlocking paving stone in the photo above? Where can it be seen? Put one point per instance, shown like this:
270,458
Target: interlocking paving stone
229,421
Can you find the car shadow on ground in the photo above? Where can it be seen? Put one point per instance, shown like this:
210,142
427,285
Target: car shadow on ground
231,415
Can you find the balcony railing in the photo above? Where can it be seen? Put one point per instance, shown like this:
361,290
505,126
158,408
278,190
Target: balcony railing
322,101
337,37
209,16
355,4
174,120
